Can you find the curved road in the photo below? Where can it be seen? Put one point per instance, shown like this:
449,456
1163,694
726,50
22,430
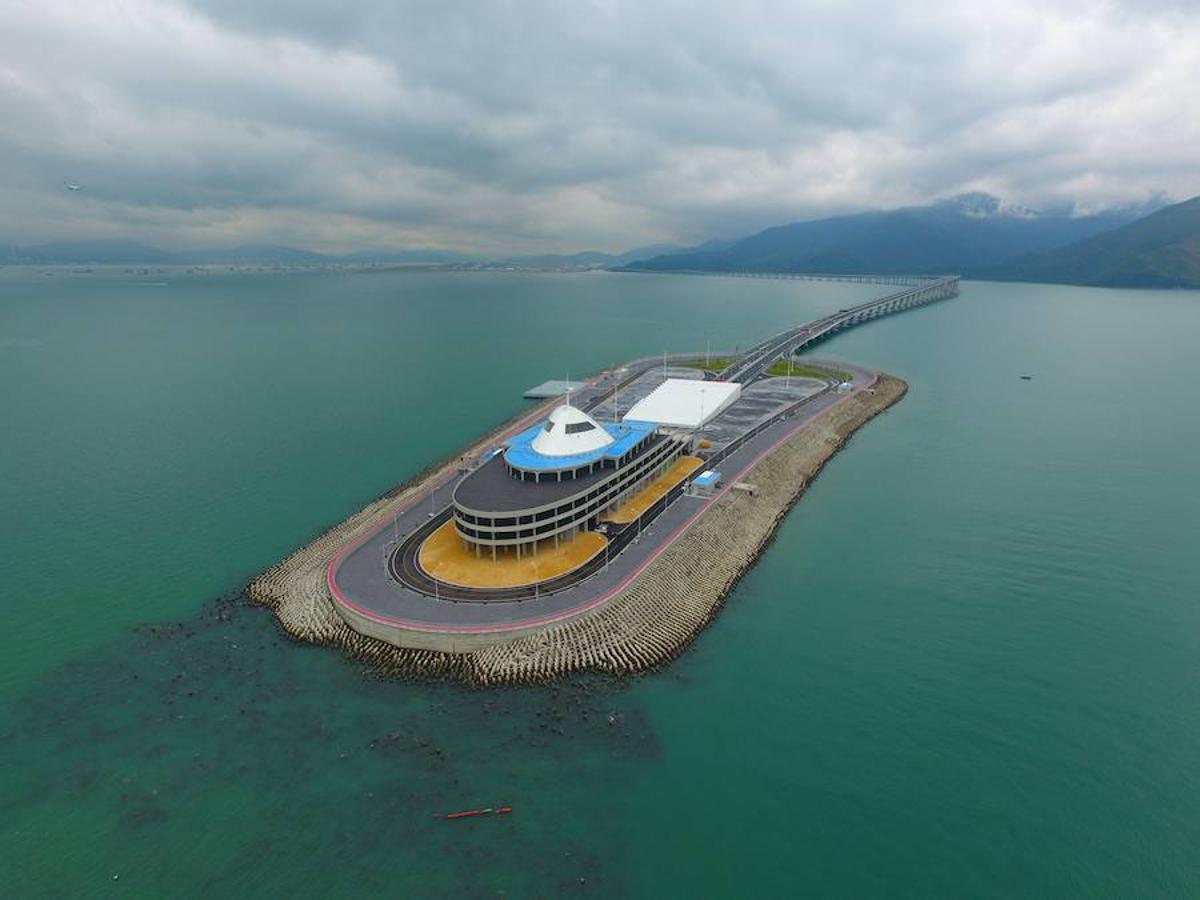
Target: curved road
360,578
368,577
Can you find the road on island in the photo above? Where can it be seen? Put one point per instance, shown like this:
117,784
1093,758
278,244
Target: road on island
360,580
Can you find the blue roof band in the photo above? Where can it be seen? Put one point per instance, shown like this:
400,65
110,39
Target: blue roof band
521,455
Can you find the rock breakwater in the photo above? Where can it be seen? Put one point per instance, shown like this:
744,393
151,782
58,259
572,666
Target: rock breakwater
643,627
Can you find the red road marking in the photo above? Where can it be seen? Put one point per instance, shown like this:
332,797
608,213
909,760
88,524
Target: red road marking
331,569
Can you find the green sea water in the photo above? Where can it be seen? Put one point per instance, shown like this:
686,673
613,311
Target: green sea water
966,666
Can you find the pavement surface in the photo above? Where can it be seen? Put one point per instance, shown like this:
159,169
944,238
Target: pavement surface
360,576
642,500
444,557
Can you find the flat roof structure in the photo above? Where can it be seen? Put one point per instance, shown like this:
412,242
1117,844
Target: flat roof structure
625,435
685,403
552,388
491,487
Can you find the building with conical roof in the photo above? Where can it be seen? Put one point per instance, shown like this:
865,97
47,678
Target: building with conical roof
570,431
557,478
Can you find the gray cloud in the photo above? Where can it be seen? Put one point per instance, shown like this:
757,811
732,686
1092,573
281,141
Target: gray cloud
507,126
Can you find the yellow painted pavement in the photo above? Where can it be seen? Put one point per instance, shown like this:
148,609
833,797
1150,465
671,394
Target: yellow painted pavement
651,493
444,557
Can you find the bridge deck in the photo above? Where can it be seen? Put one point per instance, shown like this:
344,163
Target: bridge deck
365,577
756,360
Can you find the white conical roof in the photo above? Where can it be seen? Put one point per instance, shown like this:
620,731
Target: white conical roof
569,431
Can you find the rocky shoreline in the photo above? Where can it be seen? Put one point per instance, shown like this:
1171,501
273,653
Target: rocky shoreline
645,626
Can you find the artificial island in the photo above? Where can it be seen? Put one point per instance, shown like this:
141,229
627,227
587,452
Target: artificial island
602,529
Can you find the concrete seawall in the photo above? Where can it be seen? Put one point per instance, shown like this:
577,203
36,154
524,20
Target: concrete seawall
644,626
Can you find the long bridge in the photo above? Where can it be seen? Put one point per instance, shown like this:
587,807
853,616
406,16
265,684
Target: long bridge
917,292
853,277
380,588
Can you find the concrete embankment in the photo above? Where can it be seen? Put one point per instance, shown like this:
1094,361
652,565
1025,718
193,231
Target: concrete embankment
644,626
296,591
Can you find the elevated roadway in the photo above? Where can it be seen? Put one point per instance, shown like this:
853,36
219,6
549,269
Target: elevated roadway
758,358
377,581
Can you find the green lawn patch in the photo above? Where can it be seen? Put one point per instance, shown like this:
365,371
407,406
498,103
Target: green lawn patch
716,364
801,371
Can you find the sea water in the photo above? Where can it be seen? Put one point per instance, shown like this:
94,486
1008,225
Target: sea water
966,666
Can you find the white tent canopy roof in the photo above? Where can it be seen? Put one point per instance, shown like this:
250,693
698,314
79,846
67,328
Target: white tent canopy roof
684,402
570,431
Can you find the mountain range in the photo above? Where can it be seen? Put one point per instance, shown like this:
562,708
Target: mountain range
589,259
964,234
123,252
1161,250
974,235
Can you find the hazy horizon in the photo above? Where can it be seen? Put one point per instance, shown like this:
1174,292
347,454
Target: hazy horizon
351,126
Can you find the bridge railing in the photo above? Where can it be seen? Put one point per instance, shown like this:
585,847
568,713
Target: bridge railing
857,278
760,356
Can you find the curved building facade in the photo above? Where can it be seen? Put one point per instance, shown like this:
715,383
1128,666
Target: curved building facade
557,478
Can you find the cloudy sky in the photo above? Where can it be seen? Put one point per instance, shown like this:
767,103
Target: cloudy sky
567,125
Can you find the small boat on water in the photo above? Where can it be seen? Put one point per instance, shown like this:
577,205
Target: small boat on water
1027,378
487,811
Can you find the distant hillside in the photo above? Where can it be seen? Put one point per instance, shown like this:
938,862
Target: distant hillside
102,252
588,259
121,252
257,255
1161,250
427,256
966,234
